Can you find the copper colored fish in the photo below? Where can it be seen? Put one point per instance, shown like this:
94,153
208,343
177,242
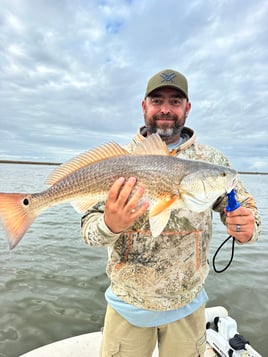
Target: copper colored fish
169,183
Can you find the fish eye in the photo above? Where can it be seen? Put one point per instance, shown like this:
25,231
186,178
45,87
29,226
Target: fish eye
26,201
224,174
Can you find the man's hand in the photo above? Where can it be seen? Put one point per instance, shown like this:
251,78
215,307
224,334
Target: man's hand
240,224
121,209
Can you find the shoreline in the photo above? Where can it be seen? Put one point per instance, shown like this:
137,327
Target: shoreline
29,162
19,162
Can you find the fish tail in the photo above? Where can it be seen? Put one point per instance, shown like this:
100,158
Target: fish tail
15,216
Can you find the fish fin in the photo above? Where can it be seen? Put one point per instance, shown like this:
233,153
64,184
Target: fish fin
153,145
14,216
158,223
87,158
159,214
83,206
163,205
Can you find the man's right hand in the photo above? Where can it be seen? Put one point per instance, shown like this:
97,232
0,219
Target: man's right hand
122,208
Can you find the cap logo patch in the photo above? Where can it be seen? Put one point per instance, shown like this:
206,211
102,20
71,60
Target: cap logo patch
168,77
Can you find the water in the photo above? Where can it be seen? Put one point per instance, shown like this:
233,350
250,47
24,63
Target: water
52,284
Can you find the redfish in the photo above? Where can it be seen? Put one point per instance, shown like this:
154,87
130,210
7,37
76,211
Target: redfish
169,183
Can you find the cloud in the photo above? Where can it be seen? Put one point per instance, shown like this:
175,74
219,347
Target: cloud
73,73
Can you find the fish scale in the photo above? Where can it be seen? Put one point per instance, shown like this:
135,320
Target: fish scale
97,178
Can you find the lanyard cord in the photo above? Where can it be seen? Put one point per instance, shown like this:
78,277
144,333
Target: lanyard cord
216,253
233,204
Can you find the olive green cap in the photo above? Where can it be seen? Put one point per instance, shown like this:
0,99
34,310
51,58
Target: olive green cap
168,78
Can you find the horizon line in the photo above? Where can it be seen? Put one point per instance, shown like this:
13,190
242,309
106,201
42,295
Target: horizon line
28,162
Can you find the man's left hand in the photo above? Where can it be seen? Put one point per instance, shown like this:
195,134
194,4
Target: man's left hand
240,224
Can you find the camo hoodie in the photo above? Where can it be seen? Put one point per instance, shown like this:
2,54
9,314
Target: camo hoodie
166,272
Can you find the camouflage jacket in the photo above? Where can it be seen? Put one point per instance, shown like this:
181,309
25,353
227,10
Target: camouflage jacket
166,272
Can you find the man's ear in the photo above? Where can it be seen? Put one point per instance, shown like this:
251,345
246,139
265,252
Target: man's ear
143,105
188,107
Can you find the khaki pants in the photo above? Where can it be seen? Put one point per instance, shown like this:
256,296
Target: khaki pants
182,338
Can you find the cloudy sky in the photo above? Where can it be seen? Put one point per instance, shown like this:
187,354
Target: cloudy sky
73,73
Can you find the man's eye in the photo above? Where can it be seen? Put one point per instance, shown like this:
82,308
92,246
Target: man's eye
156,101
176,102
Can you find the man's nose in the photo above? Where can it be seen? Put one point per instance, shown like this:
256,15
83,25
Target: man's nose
165,108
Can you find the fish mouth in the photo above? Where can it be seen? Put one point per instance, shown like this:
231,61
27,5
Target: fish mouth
231,185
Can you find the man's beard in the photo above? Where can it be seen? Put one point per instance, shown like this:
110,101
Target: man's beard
165,133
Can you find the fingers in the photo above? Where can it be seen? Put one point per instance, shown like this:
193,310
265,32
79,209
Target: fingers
115,189
240,224
122,207
133,208
121,193
124,198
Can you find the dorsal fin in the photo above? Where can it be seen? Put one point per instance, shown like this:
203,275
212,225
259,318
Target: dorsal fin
153,145
89,157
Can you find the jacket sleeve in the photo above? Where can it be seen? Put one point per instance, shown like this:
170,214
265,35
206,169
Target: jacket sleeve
246,200
94,230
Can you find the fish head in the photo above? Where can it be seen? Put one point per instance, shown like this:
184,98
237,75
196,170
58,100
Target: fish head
200,189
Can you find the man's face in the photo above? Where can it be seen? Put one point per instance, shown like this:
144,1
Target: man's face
165,111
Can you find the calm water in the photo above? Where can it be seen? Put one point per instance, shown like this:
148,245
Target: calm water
52,284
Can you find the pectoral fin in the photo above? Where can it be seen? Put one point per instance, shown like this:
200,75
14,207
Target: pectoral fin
159,222
159,214
163,205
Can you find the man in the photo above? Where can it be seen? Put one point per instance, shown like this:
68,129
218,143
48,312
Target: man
156,291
